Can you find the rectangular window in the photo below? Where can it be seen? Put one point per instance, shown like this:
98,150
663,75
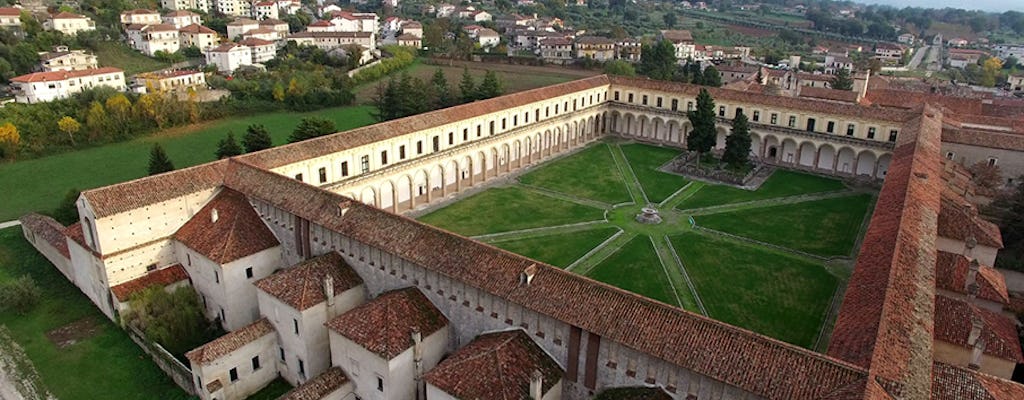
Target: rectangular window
515,121
689,106
401,152
629,98
323,174
216,277
644,100
831,127
892,135
280,350
256,363
739,110
295,325
234,374
490,128
188,258
721,111
871,133
465,134
503,124
302,369
384,158
675,104
437,144
992,161
298,177
248,272
364,163
451,138
792,121
222,317
849,129
658,102
616,96
344,168
380,384
419,147
775,119
757,116
478,131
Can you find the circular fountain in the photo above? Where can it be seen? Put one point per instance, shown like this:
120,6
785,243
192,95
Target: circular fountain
648,215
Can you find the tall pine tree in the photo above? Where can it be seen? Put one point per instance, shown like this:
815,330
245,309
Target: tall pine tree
490,86
256,138
443,92
228,147
311,127
467,88
658,61
702,138
737,144
842,80
711,77
158,161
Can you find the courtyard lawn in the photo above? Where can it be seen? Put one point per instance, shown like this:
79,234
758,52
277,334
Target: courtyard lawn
645,161
590,174
504,209
103,364
781,184
757,289
824,227
636,268
40,184
558,250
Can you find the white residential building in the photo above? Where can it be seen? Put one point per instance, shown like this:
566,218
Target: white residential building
234,7
167,81
276,25
181,18
69,23
906,38
41,87
289,7
202,5
262,50
149,39
1005,51
63,59
198,36
488,38
10,17
333,40
262,10
240,26
140,16
412,28
262,33
228,57
683,42
345,21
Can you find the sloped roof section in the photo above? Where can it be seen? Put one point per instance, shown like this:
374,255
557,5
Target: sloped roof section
951,272
47,229
385,325
955,383
496,366
138,193
161,277
226,229
959,222
953,320
230,342
317,388
302,286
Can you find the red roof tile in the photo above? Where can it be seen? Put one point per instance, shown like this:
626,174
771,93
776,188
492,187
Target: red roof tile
951,272
302,286
953,325
66,15
127,196
237,232
495,366
230,342
255,42
196,28
959,222
51,76
47,229
384,325
955,383
10,11
317,388
160,277
828,94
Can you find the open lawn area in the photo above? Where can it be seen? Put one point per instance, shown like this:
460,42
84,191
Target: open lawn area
117,54
103,363
558,250
590,173
645,160
636,268
40,184
823,227
504,209
782,183
771,293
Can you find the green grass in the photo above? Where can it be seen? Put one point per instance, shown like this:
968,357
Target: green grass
823,227
645,160
107,365
590,174
560,251
636,268
116,54
508,209
40,184
780,184
273,390
758,289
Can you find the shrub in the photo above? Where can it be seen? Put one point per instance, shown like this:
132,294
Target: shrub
19,295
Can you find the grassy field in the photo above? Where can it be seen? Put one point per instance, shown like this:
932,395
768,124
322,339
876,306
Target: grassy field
645,160
40,184
560,251
590,173
116,54
106,364
767,292
512,81
780,184
507,209
636,268
823,227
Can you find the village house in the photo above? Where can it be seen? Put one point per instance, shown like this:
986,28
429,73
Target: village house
906,38
68,23
227,57
198,36
889,53
835,62
181,18
262,33
236,365
235,8
487,38
40,87
262,50
409,40
595,48
412,28
276,25
140,17
1004,51
150,39
240,27
556,50
289,7
265,9
1015,82
957,42
63,59
628,49
961,58
682,41
174,5
169,81
334,40
345,21
736,72
10,18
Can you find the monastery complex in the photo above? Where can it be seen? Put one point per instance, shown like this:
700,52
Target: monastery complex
303,254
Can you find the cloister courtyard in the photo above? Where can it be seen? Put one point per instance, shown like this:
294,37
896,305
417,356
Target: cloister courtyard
774,260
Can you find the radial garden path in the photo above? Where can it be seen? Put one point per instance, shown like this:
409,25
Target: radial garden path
754,259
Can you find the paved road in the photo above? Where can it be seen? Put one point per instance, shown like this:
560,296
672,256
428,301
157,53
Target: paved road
918,56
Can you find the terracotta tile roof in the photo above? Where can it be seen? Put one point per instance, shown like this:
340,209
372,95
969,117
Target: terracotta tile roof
243,22
51,76
496,366
180,13
160,277
958,222
302,286
384,325
981,138
138,193
407,37
764,366
307,149
633,393
594,40
556,41
272,22
196,28
955,383
953,325
47,229
255,42
260,31
237,232
885,322
10,11
321,23
75,233
677,36
230,342
951,271
139,11
66,15
828,94
226,47
159,28
317,388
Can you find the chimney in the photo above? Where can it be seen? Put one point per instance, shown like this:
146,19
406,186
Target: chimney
969,244
975,335
329,289
417,361
417,344
536,385
528,273
976,352
214,216
971,284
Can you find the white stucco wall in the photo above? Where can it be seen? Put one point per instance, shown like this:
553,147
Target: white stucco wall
226,286
364,367
249,381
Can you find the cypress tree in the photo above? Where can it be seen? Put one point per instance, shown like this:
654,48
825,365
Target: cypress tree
158,161
489,87
311,127
842,80
711,77
228,147
702,138
256,138
737,144
467,87
444,93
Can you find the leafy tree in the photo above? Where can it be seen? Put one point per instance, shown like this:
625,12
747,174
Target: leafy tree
619,67
990,71
1011,62
670,19
737,144
842,80
441,89
175,320
702,138
256,138
467,87
311,127
96,120
711,77
490,86
158,160
19,295
1012,228
228,147
658,61
9,141
70,127
67,212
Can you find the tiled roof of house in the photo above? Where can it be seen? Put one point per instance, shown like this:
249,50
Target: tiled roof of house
180,13
594,40
956,383
52,76
885,322
159,28
953,325
227,47
260,31
302,286
981,138
828,94
951,271
322,22
243,22
255,42
317,388
272,22
556,41
139,11
160,277
406,37
959,222
677,36
384,326
633,393
66,15
127,196
236,232
10,11
496,366
47,229
230,342
196,28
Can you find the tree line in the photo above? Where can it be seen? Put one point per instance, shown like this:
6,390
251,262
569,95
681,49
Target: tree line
406,95
658,61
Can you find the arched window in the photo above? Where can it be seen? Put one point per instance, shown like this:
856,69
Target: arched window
87,227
